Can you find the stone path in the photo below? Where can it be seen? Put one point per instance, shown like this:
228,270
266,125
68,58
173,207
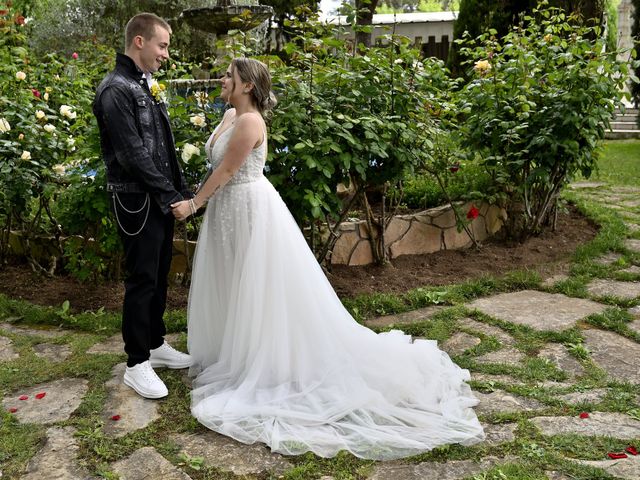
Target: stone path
511,405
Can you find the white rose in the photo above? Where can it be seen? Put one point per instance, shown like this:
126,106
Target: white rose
66,111
40,115
25,155
198,120
46,97
21,76
49,128
4,125
59,169
188,151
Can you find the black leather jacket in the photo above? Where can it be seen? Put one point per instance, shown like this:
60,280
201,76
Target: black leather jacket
136,139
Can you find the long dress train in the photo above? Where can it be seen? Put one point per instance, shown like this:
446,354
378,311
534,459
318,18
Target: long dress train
279,360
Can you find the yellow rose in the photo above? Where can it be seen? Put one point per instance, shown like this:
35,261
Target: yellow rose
21,76
21,136
49,128
40,115
548,37
4,125
482,66
25,155
46,97
59,169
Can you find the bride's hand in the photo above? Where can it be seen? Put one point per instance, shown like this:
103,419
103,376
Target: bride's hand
181,210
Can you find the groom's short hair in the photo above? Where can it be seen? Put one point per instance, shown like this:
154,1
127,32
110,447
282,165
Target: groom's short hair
143,24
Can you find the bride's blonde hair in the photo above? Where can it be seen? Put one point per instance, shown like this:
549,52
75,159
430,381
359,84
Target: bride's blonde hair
257,73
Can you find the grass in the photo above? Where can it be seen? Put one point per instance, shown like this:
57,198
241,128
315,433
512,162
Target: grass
529,454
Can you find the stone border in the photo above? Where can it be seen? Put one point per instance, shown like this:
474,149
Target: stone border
428,231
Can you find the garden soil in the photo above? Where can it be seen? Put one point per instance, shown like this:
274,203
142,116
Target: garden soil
548,254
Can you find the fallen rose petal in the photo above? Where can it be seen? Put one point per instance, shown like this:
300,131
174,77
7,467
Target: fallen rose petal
631,449
115,418
23,397
616,456
584,415
473,213
13,410
40,395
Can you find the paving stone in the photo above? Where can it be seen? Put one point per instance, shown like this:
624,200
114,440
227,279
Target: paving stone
32,332
551,281
635,311
502,433
581,185
459,343
453,470
538,310
135,412
605,424
633,227
635,325
58,458
555,385
504,356
553,475
608,259
632,270
228,455
413,316
632,244
631,203
559,355
503,402
604,287
615,354
61,399
489,378
114,344
146,463
52,351
627,468
7,351
590,396
485,328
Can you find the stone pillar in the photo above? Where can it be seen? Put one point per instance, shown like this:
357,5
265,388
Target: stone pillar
625,42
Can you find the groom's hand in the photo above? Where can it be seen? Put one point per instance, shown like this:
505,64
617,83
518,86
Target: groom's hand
181,210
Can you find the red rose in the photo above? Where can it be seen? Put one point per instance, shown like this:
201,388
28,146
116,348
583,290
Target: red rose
19,20
454,167
473,213
4,12
115,418
584,415
35,92
74,55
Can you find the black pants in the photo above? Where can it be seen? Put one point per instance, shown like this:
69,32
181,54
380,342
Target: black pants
148,250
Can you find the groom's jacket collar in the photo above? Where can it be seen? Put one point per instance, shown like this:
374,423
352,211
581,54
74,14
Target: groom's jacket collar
126,66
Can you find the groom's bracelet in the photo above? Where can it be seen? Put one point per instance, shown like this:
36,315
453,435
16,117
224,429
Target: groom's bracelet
192,206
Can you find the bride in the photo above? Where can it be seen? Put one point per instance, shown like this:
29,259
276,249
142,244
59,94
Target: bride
278,359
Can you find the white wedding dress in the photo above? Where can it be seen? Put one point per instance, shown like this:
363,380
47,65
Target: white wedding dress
278,358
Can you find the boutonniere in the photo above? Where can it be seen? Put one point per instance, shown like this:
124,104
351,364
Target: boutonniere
158,91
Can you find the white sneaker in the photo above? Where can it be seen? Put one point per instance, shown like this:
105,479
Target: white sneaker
144,381
167,356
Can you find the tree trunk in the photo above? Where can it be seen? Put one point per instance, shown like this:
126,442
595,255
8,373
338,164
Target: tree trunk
364,16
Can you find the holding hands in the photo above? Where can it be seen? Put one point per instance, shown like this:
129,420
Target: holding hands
181,210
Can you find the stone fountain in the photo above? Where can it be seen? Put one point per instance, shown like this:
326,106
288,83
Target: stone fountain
226,15
219,18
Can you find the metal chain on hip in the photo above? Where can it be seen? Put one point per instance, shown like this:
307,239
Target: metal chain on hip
146,216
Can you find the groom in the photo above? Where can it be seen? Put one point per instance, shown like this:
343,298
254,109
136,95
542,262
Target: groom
143,180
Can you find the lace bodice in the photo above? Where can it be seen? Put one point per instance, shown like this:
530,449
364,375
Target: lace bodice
252,168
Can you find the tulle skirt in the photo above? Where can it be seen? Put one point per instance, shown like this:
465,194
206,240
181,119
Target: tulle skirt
280,361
